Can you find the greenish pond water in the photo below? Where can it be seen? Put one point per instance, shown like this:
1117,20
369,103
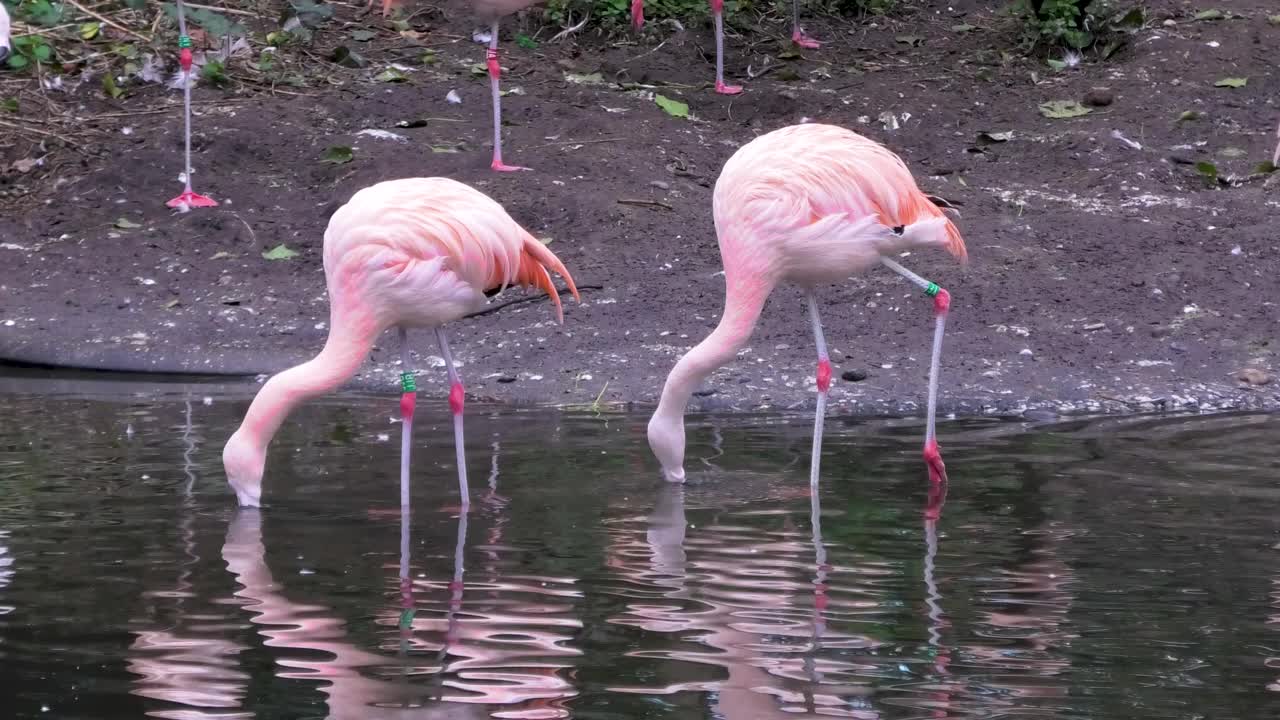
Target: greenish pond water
1107,569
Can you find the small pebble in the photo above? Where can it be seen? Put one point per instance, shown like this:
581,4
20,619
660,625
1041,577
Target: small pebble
853,376
1253,376
507,379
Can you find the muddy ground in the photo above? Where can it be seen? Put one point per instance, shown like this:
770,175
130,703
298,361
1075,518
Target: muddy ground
1105,275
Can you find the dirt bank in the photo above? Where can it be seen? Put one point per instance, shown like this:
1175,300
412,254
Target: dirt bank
1104,276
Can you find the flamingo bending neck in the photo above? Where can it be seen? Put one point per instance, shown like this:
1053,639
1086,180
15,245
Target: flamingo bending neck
346,348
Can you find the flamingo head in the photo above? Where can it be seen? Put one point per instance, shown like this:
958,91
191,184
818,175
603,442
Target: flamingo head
666,439
637,13
244,463
4,33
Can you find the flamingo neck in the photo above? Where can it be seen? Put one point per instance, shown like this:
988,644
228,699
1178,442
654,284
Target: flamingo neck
741,311
344,351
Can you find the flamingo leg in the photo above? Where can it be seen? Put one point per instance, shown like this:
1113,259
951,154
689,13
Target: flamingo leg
188,198
408,400
824,384
798,35
495,72
717,7
457,399
941,305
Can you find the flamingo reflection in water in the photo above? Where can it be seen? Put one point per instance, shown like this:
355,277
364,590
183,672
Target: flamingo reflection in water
752,600
180,657
474,667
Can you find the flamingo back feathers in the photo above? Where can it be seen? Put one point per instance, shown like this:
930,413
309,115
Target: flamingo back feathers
429,218
791,178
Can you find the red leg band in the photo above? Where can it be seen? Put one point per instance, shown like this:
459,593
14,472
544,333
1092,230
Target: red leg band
824,375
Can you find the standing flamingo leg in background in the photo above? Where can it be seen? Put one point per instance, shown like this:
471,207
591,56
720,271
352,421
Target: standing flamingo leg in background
495,72
457,398
941,305
807,205
717,8
824,384
798,35
189,198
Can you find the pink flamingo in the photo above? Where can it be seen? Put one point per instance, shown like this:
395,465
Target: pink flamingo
798,37
806,204
415,252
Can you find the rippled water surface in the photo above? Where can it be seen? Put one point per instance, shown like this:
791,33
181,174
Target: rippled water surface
1110,569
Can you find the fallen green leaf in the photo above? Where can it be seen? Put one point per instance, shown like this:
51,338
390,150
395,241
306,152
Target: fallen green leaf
338,155
1274,19
788,55
526,42
279,252
10,105
363,35
221,254
89,30
1232,82
125,223
962,28
1188,115
447,149
1133,19
1056,64
674,108
172,303
17,62
109,86
43,12
342,55
1208,170
594,78
1209,15
1265,167
212,23
1059,109
391,75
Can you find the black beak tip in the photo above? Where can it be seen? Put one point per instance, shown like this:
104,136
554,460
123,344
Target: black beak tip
4,54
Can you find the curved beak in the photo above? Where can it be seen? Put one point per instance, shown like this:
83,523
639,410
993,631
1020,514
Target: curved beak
4,53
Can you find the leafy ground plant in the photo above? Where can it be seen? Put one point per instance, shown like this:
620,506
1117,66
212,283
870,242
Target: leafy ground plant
1080,24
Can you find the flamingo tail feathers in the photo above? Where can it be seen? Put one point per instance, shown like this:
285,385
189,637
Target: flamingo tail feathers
535,262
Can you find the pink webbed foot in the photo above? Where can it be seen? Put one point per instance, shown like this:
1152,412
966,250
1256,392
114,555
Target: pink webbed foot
727,89
800,38
499,166
192,199
933,458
